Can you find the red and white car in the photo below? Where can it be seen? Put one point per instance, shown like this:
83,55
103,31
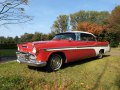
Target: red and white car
63,48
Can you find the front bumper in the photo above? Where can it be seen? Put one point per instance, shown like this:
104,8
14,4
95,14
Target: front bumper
24,58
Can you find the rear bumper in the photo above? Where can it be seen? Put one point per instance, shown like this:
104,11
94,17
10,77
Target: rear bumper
29,62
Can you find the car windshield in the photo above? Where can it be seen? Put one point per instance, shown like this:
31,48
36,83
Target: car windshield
65,36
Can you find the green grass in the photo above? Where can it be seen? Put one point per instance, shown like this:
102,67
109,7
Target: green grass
7,52
90,74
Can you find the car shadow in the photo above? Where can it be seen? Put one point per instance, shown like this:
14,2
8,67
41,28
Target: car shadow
40,69
71,64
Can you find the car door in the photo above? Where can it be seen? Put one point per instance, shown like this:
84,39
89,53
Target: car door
86,43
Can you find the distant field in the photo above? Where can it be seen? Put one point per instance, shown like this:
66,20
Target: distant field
7,52
90,74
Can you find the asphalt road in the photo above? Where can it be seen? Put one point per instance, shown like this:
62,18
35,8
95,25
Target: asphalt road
6,59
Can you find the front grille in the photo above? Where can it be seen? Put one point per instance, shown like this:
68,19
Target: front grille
26,56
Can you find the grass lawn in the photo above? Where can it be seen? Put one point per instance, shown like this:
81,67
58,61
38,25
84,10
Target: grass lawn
90,74
7,52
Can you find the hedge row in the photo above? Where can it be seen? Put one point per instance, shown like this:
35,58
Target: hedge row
8,46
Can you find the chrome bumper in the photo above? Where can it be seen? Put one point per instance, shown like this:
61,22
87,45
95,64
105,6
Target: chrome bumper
30,62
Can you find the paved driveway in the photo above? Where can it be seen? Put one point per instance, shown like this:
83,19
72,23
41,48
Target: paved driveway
6,59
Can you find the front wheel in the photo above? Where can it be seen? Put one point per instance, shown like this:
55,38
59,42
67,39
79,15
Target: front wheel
55,62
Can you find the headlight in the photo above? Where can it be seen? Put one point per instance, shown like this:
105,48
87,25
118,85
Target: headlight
34,50
32,57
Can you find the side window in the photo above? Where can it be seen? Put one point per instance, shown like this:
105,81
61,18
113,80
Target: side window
91,37
87,37
83,37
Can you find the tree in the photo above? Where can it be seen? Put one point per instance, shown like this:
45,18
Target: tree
114,21
10,40
61,24
91,27
2,40
96,29
7,40
50,35
16,39
12,12
114,26
88,16
37,36
26,37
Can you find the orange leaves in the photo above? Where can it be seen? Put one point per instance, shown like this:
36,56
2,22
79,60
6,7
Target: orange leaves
91,27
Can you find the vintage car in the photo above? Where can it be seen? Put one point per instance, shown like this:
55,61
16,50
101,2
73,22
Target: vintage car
63,48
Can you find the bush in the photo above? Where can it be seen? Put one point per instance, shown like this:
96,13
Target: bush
8,46
114,43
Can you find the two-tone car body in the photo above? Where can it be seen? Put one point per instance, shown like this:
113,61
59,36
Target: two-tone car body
63,48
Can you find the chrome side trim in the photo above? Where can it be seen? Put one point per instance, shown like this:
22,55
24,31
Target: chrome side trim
73,48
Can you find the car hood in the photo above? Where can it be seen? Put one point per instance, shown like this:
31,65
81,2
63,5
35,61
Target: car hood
28,46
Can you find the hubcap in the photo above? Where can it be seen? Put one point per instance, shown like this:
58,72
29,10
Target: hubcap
100,55
56,62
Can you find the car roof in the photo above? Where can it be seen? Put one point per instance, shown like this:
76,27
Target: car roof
79,32
76,32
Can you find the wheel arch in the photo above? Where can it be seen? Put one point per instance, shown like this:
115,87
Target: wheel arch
102,50
62,54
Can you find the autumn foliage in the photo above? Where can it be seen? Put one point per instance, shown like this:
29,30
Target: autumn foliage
92,28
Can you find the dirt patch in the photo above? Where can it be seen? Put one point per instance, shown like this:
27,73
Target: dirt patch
114,52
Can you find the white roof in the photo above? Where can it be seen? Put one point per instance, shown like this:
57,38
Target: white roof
80,32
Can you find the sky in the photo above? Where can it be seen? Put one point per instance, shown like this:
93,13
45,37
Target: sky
45,12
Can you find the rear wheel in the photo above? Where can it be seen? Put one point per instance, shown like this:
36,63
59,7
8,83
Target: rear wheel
55,62
100,55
